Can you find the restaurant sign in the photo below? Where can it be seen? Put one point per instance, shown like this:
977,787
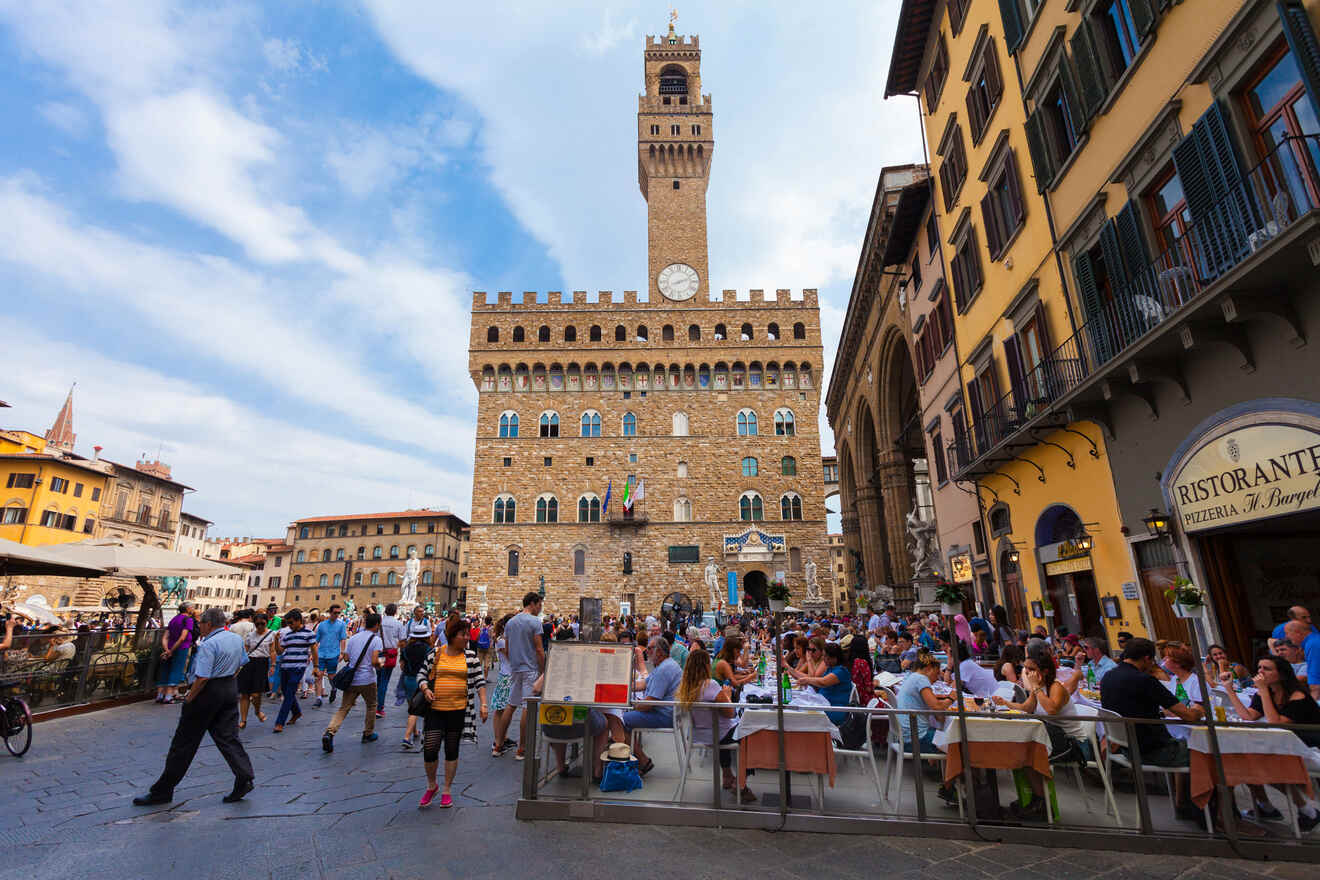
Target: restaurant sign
960,568
1245,474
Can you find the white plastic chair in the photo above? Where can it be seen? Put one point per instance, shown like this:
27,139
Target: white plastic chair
1116,733
1090,712
896,748
864,754
688,745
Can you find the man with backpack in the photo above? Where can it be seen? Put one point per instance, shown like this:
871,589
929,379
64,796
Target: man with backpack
483,643
363,653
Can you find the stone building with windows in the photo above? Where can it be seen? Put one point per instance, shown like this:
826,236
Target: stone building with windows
142,504
363,556
624,442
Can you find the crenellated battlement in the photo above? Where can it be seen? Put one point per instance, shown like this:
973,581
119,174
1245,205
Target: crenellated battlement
680,42
555,300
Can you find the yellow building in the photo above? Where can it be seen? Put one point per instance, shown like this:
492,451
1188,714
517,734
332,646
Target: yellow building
1042,472
50,494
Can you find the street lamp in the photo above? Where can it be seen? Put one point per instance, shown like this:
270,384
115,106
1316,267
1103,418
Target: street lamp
1014,556
1085,542
1157,524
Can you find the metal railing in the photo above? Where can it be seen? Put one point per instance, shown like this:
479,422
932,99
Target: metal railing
101,665
1279,190
1141,818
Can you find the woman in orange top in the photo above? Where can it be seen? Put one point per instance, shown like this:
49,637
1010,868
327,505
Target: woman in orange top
452,680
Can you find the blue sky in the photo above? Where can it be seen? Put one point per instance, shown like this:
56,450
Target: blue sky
250,232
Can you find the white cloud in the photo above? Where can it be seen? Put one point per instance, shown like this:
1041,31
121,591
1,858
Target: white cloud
66,117
609,34
252,472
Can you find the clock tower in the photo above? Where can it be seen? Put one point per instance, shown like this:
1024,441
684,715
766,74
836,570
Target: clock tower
674,145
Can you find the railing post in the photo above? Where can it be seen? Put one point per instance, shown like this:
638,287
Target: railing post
1138,777
916,768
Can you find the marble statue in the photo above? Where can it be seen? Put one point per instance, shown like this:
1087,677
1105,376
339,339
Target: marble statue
350,609
713,581
813,588
408,590
921,545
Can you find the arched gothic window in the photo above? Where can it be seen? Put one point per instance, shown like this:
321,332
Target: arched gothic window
784,425
750,507
682,510
549,424
629,425
746,423
508,424
591,423
547,509
505,508
589,508
790,506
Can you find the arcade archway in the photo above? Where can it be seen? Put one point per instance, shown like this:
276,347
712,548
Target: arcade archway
755,585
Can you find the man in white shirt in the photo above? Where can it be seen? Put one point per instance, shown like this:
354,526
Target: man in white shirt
362,653
392,636
976,679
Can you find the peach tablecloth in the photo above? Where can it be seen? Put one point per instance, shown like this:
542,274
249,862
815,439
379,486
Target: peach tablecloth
1251,757
804,752
996,744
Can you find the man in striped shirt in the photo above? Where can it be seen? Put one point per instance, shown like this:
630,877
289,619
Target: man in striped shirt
295,645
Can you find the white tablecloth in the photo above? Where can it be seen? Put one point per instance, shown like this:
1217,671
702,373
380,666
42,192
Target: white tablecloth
795,720
1244,741
1018,729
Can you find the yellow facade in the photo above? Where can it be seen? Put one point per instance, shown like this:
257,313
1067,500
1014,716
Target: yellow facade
47,499
1054,475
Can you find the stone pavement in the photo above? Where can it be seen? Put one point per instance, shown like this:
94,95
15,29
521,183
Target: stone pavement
353,815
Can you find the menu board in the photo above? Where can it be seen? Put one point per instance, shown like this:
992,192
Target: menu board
588,673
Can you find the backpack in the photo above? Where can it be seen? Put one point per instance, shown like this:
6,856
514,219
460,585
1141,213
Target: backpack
483,640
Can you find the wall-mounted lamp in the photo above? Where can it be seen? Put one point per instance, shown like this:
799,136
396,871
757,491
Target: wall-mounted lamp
1157,524
1014,556
1085,542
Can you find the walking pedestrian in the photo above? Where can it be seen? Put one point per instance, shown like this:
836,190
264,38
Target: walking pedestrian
392,634
411,658
294,645
177,640
252,677
364,651
331,635
211,706
451,679
526,661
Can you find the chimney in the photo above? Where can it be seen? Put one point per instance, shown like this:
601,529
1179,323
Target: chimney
96,453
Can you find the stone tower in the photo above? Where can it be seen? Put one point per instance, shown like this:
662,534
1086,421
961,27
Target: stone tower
675,139
61,434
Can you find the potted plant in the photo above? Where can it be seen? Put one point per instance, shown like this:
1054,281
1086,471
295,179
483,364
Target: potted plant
950,597
1048,608
778,595
1187,599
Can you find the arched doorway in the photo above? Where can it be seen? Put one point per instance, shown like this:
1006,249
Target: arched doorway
754,590
1069,581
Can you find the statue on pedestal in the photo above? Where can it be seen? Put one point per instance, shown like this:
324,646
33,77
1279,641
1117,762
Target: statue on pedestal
713,581
921,545
813,588
411,568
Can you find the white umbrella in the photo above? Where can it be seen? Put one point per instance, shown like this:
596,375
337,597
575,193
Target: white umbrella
36,613
22,559
137,560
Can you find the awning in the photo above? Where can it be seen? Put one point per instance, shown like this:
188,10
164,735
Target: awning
117,557
22,559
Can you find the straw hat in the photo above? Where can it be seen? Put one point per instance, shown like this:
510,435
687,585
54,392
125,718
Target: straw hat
617,752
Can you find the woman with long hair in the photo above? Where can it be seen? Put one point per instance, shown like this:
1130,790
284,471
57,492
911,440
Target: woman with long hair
863,676
696,686
451,680
1010,663
252,677
726,664
1280,699
1047,696
503,680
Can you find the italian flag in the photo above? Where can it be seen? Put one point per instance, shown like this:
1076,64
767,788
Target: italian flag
627,495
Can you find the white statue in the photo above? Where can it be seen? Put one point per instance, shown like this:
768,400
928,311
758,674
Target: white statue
813,588
921,545
713,581
408,590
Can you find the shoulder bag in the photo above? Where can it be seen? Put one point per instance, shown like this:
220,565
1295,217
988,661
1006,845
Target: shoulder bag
343,679
418,704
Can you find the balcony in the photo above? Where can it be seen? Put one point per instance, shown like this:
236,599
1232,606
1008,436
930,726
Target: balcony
131,518
1260,240
634,518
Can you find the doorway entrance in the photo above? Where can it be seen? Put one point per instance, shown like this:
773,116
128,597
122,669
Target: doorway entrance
754,590
1076,604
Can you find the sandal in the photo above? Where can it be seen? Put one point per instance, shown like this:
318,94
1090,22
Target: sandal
242,724
650,765
261,718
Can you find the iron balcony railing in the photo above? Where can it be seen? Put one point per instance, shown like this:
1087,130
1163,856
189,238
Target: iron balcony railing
1278,191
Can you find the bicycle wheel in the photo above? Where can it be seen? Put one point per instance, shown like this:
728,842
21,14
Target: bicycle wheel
18,732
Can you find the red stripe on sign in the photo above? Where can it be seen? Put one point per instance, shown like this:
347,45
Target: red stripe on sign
607,650
611,693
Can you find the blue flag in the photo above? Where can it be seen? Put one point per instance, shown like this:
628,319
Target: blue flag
605,508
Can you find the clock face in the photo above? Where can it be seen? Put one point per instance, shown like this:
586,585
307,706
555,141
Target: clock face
678,281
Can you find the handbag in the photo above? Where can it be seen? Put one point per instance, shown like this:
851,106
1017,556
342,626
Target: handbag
418,704
620,776
343,679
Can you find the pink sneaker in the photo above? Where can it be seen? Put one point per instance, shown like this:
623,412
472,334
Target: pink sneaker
446,800
429,796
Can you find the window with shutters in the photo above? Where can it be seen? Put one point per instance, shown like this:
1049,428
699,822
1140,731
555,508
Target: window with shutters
953,168
1091,271
1277,108
984,394
1105,46
937,455
1054,128
915,275
788,466
1018,16
985,90
939,72
1118,34
932,234
1002,207
1169,218
965,268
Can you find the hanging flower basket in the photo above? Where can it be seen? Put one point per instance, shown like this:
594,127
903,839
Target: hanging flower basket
778,596
950,596
1187,599
1189,612
778,604
950,610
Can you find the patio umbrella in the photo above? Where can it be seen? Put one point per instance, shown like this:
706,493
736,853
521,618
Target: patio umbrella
21,559
125,559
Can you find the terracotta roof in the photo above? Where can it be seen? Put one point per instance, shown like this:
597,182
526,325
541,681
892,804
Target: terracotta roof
398,514
76,461
250,559
184,513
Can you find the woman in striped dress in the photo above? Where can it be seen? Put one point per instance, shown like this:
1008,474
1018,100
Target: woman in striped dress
451,678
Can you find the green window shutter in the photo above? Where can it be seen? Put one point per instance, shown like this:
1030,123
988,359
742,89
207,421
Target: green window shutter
1016,375
1091,79
1088,295
1072,94
1222,211
1131,241
1305,48
1041,160
1012,16
1143,16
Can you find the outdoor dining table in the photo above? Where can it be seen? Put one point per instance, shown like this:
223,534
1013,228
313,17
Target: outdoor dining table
808,741
1251,757
1008,743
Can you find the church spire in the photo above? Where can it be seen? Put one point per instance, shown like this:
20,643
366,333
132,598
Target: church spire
61,434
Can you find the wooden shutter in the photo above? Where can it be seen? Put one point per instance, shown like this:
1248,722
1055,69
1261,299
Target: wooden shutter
945,188
1091,78
1208,168
994,82
1017,207
959,290
1016,374
1041,159
946,321
1143,16
994,235
1305,48
1072,94
972,260
1012,16
978,424
1088,295
974,114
